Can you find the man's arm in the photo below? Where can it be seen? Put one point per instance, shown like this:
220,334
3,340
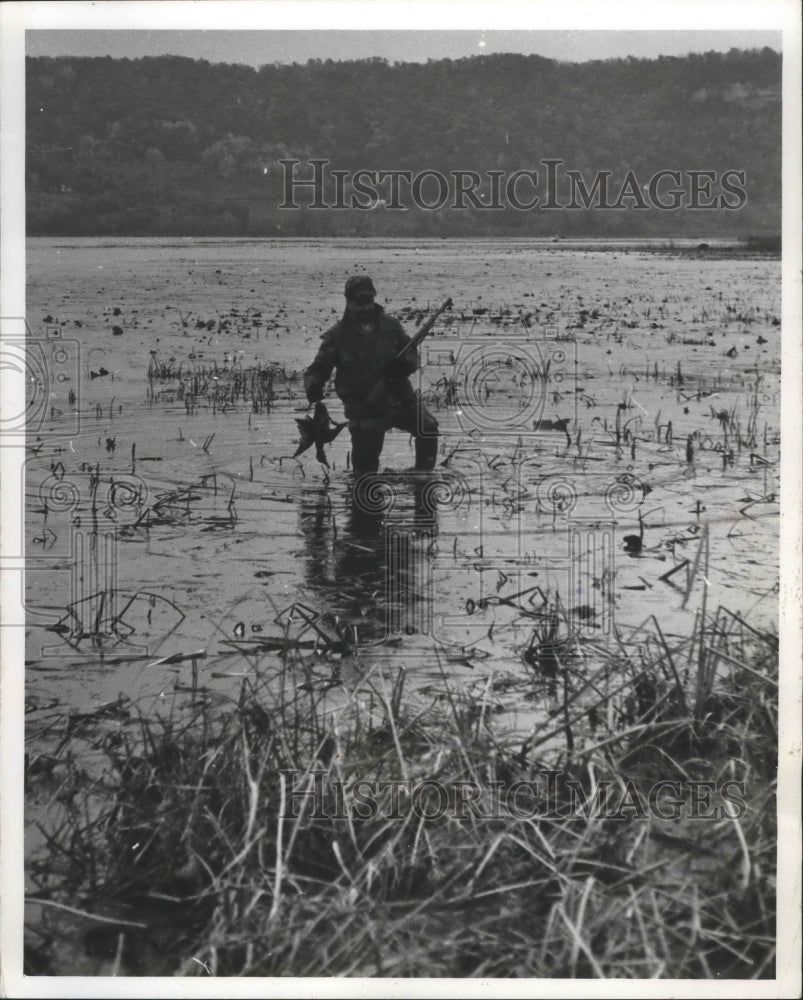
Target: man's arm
406,365
317,375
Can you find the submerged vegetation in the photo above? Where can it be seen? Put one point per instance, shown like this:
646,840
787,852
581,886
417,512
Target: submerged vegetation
381,833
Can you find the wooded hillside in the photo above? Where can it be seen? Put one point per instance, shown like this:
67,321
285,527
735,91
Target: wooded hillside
175,146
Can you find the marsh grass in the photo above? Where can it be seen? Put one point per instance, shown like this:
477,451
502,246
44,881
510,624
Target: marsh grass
188,844
221,388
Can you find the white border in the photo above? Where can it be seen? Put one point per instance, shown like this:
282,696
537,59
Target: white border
390,14
439,15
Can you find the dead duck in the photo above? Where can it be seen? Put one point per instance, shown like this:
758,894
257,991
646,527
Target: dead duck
319,429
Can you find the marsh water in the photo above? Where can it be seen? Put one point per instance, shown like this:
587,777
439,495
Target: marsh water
583,396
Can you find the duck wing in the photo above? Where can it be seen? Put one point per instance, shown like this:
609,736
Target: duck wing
333,431
306,427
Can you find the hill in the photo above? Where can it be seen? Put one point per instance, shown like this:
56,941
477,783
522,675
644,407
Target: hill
175,146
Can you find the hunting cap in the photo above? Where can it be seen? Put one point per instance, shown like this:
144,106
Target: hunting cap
359,284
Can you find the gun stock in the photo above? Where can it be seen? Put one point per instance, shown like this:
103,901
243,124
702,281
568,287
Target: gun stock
376,395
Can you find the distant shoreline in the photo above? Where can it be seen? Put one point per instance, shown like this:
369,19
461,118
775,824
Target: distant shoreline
715,248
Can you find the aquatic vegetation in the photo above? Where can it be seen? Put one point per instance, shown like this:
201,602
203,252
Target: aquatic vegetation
243,631
290,832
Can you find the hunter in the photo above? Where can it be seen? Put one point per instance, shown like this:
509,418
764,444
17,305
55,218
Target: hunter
363,347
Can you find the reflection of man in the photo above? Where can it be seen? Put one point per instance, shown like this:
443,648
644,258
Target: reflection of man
363,348
372,572
346,572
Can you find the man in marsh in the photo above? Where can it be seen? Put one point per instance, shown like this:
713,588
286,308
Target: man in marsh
363,349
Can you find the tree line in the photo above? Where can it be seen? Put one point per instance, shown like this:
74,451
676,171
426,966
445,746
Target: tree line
176,146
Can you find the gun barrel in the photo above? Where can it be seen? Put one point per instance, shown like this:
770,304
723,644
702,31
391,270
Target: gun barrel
424,329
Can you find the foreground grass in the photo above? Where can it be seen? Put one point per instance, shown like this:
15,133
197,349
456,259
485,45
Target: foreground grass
191,847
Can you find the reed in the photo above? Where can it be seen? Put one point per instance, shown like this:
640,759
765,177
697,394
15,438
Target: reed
234,839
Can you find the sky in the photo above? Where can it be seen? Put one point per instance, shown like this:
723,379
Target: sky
258,47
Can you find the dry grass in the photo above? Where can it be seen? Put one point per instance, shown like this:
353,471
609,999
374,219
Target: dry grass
179,850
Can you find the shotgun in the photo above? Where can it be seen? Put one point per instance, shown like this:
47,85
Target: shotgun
374,399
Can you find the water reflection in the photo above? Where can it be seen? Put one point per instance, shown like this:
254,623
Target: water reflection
368,555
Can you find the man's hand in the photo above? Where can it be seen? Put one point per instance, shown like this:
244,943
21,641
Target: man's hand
314,394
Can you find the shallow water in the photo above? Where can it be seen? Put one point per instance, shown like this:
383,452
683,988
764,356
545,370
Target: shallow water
525,517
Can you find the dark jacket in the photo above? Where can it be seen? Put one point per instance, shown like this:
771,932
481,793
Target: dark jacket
360,360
